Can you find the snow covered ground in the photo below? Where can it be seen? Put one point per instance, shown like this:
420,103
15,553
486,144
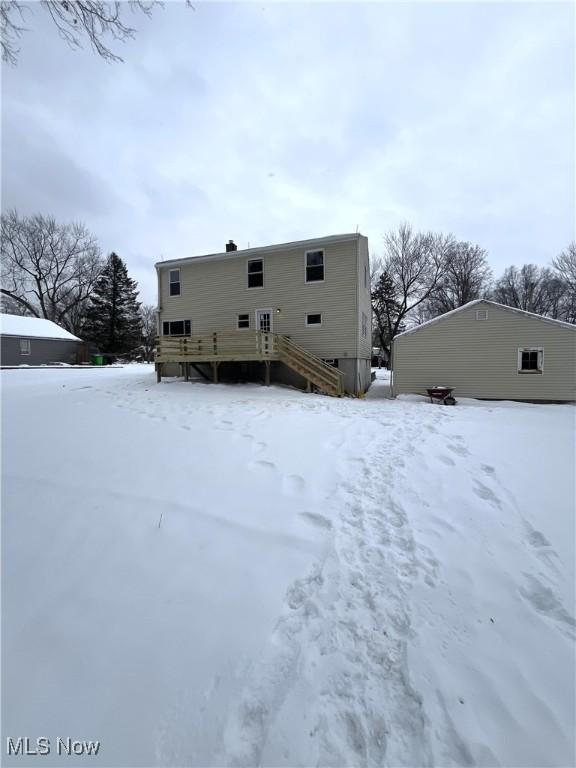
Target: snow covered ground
200,574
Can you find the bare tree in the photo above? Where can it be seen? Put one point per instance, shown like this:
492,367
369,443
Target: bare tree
565,266
412,266
465,276
531,288
48,269
149,329
76,20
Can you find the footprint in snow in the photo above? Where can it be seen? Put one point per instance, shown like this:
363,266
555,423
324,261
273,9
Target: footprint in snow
460,450
487,469
543,600
316,519
486,493
293,484
447,460
263,466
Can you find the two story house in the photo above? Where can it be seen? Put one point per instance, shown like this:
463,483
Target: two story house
297,313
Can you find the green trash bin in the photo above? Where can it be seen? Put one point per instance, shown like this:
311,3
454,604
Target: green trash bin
97,359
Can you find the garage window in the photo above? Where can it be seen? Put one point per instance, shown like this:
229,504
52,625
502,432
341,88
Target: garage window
531,360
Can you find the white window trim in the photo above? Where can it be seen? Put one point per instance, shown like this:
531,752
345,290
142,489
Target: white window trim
246,314
314,250
264,309
313,325
29,347
173,282
255,287
177,320
540,370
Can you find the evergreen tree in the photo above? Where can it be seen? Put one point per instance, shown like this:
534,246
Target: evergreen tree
113,319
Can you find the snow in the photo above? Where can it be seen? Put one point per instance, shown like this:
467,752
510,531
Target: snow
200,574
33,327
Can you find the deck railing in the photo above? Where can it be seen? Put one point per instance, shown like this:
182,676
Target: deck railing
246,346
217,346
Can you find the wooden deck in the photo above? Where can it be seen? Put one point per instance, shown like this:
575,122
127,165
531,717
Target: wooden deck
248,346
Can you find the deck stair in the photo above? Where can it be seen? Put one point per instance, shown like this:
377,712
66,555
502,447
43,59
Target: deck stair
247,346
316,372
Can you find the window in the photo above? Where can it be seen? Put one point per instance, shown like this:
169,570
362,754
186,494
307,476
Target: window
366,276
364,325
243,321
330,361
314,319
176,328
481,314
24,346
174,282
255,273
531,360
314,266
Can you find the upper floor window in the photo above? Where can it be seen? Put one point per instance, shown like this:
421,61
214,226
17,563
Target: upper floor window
255,273
531,360
364,324
176,328
174,282
24,346
314,266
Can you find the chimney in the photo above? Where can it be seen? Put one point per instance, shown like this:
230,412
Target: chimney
231,246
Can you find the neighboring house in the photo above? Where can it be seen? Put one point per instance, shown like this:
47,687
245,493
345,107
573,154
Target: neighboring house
297,312
36,341
488,351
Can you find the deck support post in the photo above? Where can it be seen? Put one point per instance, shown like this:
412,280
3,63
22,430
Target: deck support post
308,385
215,372
186,371
158,372
267,373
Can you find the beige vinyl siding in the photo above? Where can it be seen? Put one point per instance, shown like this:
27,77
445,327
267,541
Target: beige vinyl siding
214,292
479,358
364,305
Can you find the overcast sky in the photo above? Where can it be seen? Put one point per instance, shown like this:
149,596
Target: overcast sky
267,123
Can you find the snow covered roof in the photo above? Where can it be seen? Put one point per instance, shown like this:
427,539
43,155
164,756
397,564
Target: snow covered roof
489,303
33,328
310,243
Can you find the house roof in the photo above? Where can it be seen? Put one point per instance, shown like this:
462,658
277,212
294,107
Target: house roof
489,303
33,328
310,243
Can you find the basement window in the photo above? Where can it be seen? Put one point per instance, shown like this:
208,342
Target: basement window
243,322
314,266
176,328
174,282
255,273
24,346
314,319
531,360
